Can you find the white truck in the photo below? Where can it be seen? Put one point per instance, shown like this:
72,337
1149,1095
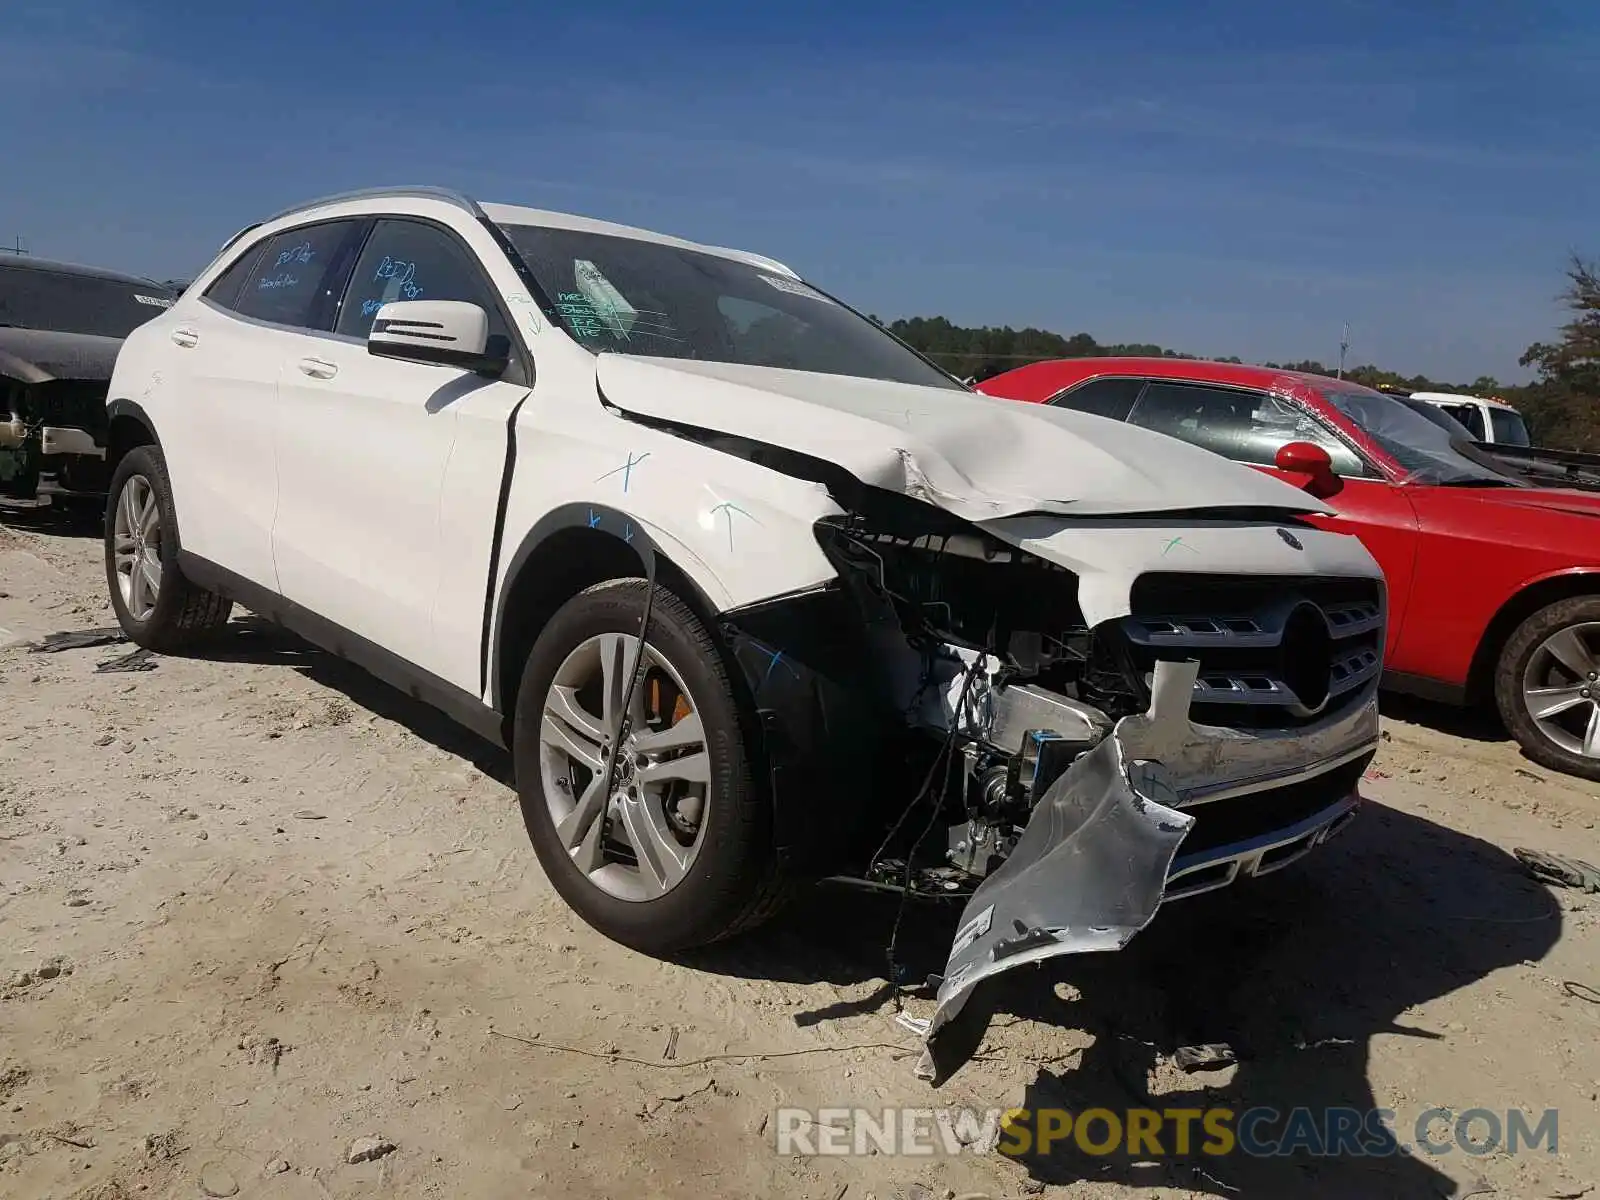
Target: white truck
753,593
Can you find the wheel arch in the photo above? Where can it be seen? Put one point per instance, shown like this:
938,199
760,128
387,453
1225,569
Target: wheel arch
1529,599
571,548
128,425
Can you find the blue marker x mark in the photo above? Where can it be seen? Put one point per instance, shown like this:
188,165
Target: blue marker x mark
627,532
594,518
626,469
1180,544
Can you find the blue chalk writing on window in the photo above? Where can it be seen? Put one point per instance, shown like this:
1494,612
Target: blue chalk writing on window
277,283
404,272
296,254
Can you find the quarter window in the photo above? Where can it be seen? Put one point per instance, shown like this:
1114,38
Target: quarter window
297,277
1469,415
1246,426
410,260
224,291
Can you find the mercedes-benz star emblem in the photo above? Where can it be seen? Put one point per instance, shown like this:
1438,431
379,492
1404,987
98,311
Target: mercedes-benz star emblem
1290,539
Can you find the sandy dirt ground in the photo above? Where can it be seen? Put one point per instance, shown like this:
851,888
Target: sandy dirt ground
260,915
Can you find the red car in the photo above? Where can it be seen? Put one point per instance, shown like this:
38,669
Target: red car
1494,586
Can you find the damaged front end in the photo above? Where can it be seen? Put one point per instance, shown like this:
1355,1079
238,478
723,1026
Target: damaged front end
52,439
1065,779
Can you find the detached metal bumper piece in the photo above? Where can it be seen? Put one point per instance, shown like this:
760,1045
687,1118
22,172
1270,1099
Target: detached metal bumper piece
1090,868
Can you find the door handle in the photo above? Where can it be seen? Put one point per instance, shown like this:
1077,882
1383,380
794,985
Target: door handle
318,368
185,337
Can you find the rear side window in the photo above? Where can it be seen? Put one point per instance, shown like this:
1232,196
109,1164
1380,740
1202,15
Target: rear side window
1101,397
298,277
412,260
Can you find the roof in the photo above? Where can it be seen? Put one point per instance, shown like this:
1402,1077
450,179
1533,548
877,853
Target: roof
1458,397
28,262
514,214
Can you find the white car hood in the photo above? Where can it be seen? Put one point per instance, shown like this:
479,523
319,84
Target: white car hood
976,456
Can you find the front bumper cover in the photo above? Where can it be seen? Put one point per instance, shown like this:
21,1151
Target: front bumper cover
1093,864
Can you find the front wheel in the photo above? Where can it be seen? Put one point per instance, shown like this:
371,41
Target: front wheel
1547,686
156,605
676,851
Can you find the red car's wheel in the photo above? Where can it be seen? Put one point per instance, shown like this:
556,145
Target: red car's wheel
1547,686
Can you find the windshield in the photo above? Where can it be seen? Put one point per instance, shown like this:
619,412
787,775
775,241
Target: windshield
1509,428
637,297
1423,449
66,302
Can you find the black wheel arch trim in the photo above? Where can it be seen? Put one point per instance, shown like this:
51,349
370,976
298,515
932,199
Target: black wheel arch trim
620,525
135,410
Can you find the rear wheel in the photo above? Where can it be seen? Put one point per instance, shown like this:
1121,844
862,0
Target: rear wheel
677,850
1547,686
156,605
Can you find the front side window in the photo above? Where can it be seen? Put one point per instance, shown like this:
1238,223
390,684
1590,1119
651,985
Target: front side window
298,276
1427,453
67,302
412,260
1102,397
1246,426
630,296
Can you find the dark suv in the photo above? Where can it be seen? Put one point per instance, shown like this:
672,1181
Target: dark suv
60,329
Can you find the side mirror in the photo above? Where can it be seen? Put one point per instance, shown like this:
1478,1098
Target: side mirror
1312,461
445,333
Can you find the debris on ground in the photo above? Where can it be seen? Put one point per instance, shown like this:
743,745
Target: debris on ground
368,1149
1559,870
1208,1056
77,639
137,660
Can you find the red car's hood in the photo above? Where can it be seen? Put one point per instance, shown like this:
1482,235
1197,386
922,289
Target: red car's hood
1558,499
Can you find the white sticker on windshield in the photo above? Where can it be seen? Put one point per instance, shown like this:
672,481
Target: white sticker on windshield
608,303
154,301
795,288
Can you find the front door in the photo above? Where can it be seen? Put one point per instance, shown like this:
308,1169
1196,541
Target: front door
368,447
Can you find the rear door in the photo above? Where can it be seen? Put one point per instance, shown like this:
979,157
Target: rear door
227,349
1249,426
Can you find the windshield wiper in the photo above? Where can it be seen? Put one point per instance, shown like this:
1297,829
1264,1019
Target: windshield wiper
1487,481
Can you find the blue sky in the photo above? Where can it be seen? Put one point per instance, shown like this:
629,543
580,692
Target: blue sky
1236,177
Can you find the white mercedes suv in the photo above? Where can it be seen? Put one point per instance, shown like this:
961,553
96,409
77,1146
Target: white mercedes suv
752,591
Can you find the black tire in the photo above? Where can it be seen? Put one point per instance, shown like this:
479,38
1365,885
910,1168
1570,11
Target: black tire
1514,659
185,615
736,880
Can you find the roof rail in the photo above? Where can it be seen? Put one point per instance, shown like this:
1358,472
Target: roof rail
448,195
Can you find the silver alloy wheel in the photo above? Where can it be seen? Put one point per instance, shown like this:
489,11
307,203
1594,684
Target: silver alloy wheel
136,547
637,839
1561,688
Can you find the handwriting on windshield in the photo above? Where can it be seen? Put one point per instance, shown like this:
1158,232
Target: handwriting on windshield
302,254
277,283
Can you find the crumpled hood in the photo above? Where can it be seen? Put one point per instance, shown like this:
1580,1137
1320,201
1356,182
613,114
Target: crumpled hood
975,456
40,355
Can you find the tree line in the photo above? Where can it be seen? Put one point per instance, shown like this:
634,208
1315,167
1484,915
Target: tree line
1561,405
